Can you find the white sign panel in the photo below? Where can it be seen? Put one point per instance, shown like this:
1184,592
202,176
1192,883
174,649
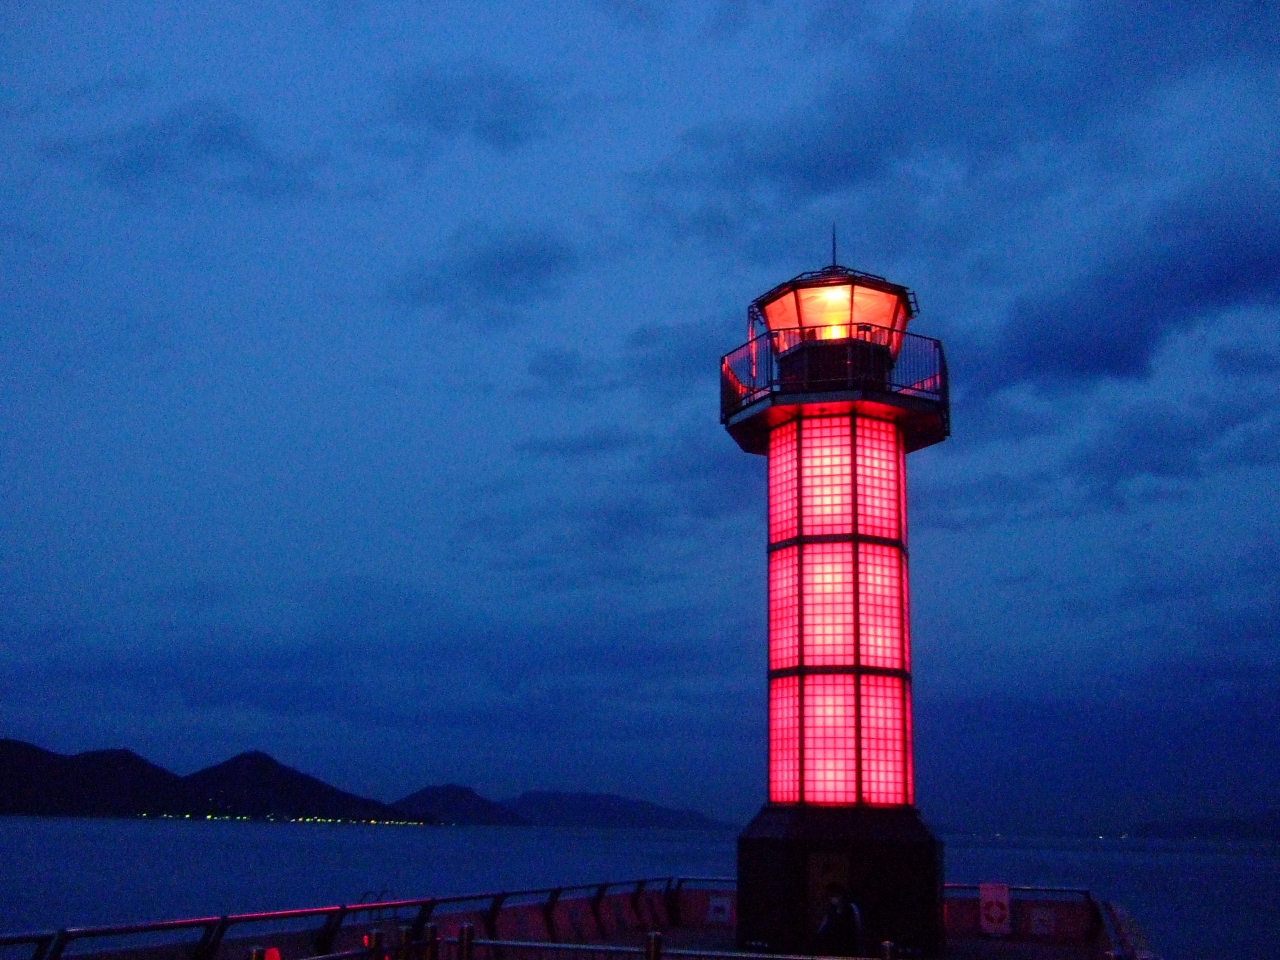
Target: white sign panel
994,915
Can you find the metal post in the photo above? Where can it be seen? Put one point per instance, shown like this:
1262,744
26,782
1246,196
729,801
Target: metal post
886,950
373,942
466,942
404,941
653,946
432,937
257,953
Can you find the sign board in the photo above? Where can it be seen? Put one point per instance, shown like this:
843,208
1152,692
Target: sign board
1043,922
994,915
718,910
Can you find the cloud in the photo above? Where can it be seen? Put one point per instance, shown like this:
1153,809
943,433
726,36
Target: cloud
1088,179
496,106
1170,742
1164,440
490,274
602,442
1188,731
976,84
1193,260
349,670
197,147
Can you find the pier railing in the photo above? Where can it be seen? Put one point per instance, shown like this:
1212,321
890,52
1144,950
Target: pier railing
665,917
602,908
467,947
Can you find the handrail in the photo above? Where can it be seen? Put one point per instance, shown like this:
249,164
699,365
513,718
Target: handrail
49,944
1082,892
807,359
622,948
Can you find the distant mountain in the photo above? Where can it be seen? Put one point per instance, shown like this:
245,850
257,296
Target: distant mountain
1259,826
100,783
548,809
255,785
456,805
119,783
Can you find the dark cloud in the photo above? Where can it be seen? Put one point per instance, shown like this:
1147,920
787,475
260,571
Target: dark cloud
1167,743
197,147
1162,439
500,108
673,361
956,501
1191,732
52,343
592,444
491,274
954,129
393,665
557,366
976,86
708,475
1192,261
1240,360
1096,454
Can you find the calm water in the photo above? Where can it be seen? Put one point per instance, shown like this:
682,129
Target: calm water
1195,900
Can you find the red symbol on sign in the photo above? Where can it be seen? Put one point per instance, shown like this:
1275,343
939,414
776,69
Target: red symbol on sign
995,912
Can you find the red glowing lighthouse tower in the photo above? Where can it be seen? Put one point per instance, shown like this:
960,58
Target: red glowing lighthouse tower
835,392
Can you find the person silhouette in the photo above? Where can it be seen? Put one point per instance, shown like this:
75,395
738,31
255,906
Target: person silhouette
840,932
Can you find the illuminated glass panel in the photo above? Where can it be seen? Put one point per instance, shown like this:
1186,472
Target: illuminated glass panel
902,490
826,482
783,482
784,608
910,760
784,740
781,314
827,308
879,478
880,605
830,739
884,754
876,306
906,617
829,623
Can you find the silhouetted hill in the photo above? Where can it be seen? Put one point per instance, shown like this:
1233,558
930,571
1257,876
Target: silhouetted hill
548,809
119,783
99,783
454,804
255,785
1260,826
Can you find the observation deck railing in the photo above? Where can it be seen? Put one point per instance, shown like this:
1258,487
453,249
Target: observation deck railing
607,921
806,360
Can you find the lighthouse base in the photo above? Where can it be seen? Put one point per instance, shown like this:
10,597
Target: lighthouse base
792,859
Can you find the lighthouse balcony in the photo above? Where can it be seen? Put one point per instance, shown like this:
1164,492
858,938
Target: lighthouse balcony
875,370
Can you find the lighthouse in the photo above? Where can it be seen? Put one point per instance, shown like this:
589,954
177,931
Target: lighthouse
835,392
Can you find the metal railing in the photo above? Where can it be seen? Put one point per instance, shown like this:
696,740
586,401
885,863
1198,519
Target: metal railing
809,360
415,926
207,934
466,946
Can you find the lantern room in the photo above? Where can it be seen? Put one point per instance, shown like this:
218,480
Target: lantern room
836,304
839,336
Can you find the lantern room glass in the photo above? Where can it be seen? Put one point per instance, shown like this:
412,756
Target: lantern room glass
836,311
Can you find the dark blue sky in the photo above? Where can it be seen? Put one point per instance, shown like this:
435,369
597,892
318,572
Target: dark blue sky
358,365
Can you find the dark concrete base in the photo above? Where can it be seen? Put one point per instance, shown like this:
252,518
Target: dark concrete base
885,858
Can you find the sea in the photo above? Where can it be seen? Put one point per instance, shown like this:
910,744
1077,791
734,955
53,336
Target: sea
1195,899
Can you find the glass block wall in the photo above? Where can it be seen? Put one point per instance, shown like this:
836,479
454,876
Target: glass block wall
839,661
